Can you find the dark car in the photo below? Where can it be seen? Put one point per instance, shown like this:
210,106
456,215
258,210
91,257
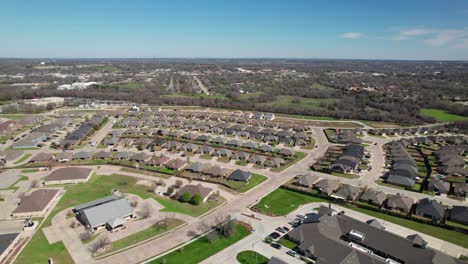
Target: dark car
276,245
275,235
279,229
285,229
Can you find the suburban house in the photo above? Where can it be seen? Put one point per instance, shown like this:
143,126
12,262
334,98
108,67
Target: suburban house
400,203
110,212
42,157
177,164
327,186
192,189
35,204
373,197
306,180
64,156
69,175
459,214
349,159
430,209
438,186
240,175
347,193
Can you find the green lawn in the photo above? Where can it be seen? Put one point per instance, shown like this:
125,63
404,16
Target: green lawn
282,202
145,234
201,249
241,187
13,116
251,257
23,158
171,205
441,115
38,250
29,170
97,187
287,243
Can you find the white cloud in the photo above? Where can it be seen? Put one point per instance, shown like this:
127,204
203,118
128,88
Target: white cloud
446,36
352,35
413,32
462,45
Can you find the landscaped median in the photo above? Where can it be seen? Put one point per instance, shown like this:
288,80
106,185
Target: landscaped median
203,247
283,201
251,257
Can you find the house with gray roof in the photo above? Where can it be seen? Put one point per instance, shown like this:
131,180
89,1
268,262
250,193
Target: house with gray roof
327,186
459,214
306,180
196,167
110,212
347,193
399,203
240,175
430,209
83,155
438,186
373,197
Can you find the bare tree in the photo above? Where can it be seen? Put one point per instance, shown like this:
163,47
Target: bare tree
85,236
35,183
99,244
146,210
179,183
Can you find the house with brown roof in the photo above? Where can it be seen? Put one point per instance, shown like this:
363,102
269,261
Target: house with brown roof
327,186
177,164
192,189
35,204
400,203
69,175
42,157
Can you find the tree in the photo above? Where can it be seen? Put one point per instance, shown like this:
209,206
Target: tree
146,210
179,183
170,190
35,183
186,197
100,244
85,236
197,199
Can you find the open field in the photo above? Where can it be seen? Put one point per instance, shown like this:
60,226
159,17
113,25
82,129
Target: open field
202,248
241,187
441,115
282,202
171,205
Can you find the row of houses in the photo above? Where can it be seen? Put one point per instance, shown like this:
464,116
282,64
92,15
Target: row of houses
404,171
41,134
426,207
451,160
349,160
84,130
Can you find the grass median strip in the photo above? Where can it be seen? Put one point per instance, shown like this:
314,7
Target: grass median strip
251,257
202,248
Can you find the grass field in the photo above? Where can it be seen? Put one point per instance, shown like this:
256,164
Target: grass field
441,115
145,234
201,249
282,202
251,257
38,250
23,158
302,103
171,205
240,187
198,95
13,116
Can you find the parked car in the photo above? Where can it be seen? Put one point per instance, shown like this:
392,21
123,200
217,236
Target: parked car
279,229
291,253
275,235
285,229
276,245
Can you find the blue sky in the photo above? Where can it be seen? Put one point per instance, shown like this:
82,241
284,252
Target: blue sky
410,29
